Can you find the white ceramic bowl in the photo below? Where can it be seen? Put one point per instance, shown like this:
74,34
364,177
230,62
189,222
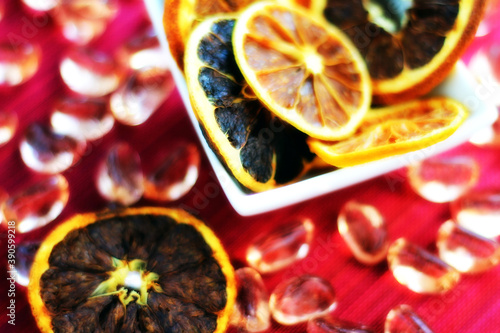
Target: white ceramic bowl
459,85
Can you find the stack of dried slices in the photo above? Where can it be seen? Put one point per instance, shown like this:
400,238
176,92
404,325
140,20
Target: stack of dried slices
273,84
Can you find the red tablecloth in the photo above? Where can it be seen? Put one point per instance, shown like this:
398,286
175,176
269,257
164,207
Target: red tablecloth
365,294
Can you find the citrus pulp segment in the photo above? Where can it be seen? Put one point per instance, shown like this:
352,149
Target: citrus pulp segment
409,46
181,16
304,70
136,270
259,149
394,130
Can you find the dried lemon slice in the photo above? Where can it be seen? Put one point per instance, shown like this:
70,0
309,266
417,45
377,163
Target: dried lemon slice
394,130
409,46
181,16
303,69
136,270
260,150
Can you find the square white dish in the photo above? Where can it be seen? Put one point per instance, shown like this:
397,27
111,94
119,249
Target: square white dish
459,85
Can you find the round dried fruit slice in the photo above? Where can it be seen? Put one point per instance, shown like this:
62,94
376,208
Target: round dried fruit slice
260,150
394,130
135,270
181,16
409,46
303,69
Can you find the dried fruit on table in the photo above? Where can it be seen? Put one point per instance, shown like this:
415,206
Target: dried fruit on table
260,150
394,130
409,46
181,16
304,70
138,269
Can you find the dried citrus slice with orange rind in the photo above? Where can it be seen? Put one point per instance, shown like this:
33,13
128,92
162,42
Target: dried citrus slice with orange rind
304,70
181,16
393,131
259,149
409,46
144,269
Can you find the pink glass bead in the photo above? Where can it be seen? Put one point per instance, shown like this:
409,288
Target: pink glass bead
119,178
45,151
8,126
83,20
35,206
25,255
441,179
18,63
419,270
280,247
143,51
479,212
465,251
144,91
83,118
402,319
89,72
489,21
302,298
251,310
330,325
364,231
41,5
174,175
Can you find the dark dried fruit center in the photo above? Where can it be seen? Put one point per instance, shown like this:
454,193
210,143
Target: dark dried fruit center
393,35
139,273
130,281
388,14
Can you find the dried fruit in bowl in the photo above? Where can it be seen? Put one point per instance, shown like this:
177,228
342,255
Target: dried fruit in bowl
409,46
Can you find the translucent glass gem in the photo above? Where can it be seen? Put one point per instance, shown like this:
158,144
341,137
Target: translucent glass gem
143,92
251,310
45,151
8,126
143,51
419,270
443,179
18,62
35,206
402,319
83,20
485,67
330,325
89,72
302,298
488,137
83,118
364,231
466,251
119,177
479,212
174,175
282,246
41,5
25,254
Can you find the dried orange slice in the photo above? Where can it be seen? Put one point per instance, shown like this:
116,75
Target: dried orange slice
181,16
394,130
409,46
260,150
135,270
303,69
